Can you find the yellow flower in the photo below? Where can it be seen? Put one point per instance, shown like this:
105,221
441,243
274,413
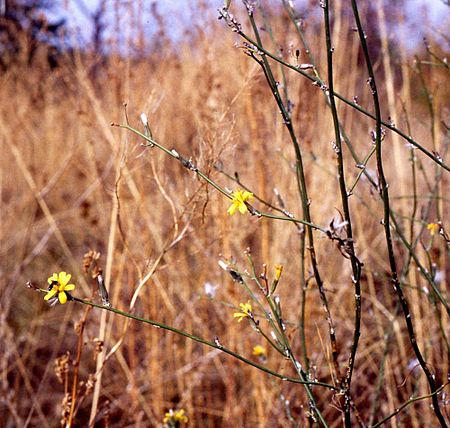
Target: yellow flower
173,417
59,284
433,228
246,311
278,271
239,198
259,351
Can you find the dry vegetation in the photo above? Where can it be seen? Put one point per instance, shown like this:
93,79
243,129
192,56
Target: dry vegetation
70,183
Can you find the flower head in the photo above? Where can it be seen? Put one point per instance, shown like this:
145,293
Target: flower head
433,228
239,199
174,417
259,351
278,271
246,311
59,284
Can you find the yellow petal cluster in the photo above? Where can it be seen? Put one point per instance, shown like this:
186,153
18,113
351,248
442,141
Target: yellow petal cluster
278,271
246,311
238,201
174,416
259,351
433,228
59,284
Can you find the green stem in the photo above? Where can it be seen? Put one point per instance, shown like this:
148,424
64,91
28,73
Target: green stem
387,211
352,104
398,230
407,403
204,342
189,165
302,189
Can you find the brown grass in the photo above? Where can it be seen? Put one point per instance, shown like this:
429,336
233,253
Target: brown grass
69,183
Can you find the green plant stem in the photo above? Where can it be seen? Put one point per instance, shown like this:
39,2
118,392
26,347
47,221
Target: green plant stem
398,230
421,268
387,211
262,309
387,336
303,285
304,289
269,31
189,165
302,189
352,104
363,169
441,62
203,342
407,403
279,330
431,110
238,181
303,281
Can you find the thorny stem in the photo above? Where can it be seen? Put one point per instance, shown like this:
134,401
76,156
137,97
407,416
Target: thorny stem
349,246
404,273
387,229
202,341
301,181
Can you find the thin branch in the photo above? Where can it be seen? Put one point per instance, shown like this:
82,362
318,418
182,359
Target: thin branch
214,345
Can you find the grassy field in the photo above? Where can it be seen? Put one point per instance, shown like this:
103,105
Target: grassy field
71,183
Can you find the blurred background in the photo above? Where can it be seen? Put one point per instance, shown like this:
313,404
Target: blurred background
71,183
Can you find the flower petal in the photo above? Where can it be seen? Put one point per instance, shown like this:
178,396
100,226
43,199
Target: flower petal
54,277
64,278
232,208
51,293
69,287
243,208
62,297
247,196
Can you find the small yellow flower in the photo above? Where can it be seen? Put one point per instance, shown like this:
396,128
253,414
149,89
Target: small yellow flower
174,417
59,284
239,198
278,271
433,228
259,351
246,311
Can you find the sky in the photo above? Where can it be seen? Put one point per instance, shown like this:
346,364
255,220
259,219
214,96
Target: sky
76,11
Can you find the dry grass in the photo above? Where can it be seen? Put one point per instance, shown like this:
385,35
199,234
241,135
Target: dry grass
69,183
